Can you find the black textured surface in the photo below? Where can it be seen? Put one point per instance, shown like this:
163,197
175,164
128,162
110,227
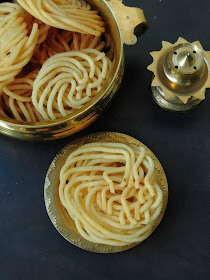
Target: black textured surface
31,248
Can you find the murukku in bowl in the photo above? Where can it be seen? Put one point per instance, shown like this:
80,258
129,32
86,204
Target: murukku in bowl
61,64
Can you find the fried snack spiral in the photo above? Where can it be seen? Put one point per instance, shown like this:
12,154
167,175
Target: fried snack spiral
67,81
17,99
72,15
110,192
59,41
16,48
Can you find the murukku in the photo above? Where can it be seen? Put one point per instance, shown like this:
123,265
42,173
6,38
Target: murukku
43,28
16,48
17,99
72,15
68,81
59,41
110,191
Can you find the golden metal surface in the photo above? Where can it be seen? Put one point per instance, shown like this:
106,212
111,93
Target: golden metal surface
181,75
51,130
131,21
58,214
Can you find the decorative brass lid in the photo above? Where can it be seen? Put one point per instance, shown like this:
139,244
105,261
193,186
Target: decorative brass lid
181,75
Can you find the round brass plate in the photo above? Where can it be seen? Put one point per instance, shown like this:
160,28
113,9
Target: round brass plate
58,214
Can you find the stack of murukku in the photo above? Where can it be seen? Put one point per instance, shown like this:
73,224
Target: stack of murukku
55,56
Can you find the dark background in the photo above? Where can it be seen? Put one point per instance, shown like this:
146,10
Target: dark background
31,248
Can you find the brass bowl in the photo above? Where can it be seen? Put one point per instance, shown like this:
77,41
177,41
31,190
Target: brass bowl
50,130
59,215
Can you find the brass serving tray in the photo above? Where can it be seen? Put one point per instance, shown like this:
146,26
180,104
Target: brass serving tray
51,130
58,214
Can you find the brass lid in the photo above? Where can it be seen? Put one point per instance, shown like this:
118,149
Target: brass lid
181,75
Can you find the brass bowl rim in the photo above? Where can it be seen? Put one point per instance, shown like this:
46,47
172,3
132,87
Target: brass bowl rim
12,123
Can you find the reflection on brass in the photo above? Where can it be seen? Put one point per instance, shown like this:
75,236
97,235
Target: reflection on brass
50,130
58,214
181,75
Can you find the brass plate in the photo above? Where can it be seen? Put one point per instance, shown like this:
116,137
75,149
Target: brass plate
58,214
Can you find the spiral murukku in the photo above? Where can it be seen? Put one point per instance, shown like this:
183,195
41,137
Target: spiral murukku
17,99
110,191
27,42
72,15
16,48
68,81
